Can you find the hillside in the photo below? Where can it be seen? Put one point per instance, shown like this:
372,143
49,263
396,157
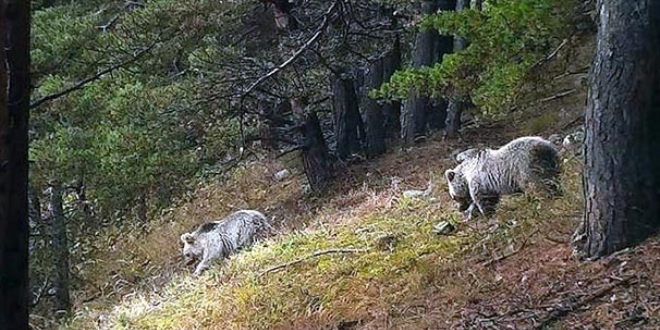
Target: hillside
366,257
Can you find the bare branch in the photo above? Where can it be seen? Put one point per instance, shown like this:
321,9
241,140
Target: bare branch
558,95
551,55
89,80
310,42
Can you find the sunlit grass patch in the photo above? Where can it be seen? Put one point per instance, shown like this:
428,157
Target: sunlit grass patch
320,290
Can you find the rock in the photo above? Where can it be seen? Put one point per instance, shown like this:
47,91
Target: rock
413,193
386,243
443,228
281,175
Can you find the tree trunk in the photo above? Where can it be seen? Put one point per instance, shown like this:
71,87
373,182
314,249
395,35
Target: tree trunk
622,157
315,155
437,110
375,119
60,247
456,106
392,110
348,123
15,59
414,118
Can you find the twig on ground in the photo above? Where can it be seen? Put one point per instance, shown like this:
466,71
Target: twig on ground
557,96
556,240
502,257
560,312
572,122
583,70
551,55
313,255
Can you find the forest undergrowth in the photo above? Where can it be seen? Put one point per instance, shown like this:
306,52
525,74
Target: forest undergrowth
367,257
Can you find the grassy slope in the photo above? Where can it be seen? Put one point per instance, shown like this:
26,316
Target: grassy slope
510,271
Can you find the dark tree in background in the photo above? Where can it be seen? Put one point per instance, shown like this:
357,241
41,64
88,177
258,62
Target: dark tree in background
349,128
419,112
14,80
60,247
413,118
315,154
456,107
374,119
437,110
392,109
622,144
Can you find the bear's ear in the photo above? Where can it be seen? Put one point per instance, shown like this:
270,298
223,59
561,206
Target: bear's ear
188,238
450,175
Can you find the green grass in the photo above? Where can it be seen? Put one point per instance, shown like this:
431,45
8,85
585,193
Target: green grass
329,289
321,290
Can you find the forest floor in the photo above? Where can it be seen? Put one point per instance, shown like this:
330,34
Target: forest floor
365,256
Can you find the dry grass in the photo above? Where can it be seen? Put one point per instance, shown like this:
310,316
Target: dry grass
514,271
319,292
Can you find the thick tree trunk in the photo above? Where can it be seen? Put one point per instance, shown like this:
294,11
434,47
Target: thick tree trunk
348,123
60,247
456,106
417,107
375,120
15,59
34,209
315,155
392,110
437,110
622,160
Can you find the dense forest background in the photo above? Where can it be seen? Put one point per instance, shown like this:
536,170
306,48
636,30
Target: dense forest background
150,116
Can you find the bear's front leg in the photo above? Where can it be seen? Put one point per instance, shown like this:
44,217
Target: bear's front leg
467,215
202,267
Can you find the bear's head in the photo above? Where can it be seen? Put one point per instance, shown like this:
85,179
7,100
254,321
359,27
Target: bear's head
458,188
192,249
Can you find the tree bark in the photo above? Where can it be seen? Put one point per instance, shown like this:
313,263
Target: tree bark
315,155
392,110
375,120
349,129
456,106
417,107
437,110
14,70
622,154
60,248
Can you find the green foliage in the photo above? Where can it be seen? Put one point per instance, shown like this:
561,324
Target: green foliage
505,40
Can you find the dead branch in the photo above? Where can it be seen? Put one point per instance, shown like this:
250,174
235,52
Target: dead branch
583,70
560,312
504,256
551,55
91,79
557,96
572,122
289,150
313,255
310,42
